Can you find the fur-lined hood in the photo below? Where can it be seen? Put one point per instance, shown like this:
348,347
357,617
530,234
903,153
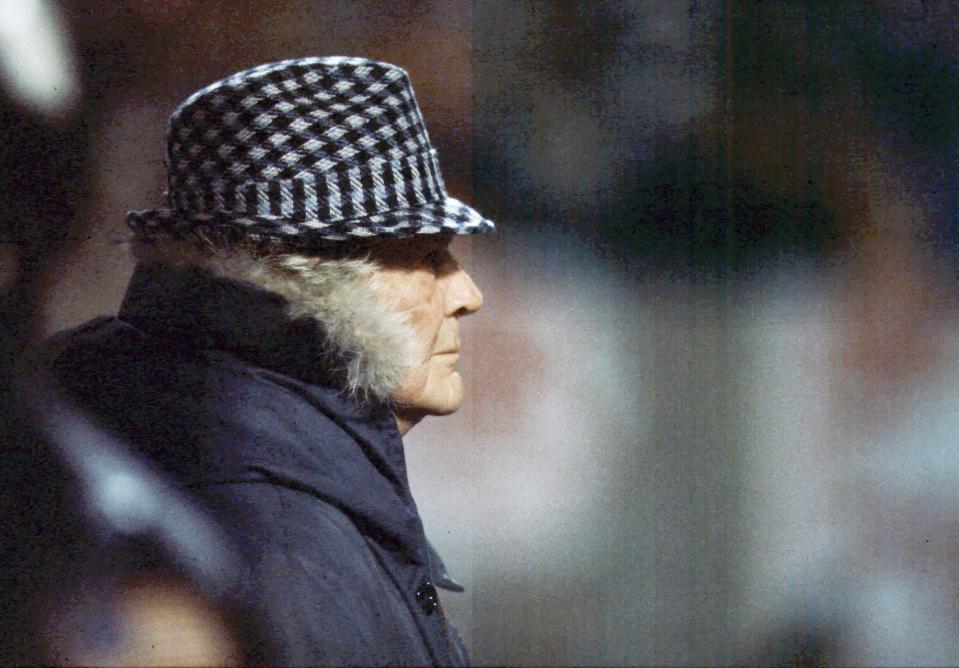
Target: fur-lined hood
363,335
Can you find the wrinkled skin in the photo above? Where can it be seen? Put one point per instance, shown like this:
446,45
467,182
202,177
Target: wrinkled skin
421,279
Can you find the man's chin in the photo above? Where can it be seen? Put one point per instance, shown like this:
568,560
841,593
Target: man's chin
436,398
446,399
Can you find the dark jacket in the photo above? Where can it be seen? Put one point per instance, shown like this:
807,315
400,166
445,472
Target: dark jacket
208,379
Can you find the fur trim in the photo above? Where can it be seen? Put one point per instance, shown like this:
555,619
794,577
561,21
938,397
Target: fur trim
372,339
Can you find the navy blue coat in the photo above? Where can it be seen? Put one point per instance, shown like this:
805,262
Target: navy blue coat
207,379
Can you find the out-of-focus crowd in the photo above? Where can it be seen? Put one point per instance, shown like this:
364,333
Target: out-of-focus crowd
713,391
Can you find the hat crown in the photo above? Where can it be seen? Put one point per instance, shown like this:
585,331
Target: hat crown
294,118
302,152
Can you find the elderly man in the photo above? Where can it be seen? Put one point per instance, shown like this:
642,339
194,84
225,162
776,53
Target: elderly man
293,314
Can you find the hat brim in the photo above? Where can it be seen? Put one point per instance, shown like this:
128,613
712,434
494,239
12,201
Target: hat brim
448,216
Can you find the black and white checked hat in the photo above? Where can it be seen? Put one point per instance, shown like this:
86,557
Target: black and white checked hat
302,152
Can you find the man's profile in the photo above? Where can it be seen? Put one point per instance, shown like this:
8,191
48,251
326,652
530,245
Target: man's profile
293,313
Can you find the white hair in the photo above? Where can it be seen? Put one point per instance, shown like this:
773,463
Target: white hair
362,327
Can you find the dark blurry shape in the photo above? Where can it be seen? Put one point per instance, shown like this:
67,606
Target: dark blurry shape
761,169
897,60
98,548
811,79
42,181
81,517
914,92
651,181
688,210
592,35
121,496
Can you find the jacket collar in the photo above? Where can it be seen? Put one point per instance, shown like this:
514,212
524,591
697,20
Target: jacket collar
190,307
361,333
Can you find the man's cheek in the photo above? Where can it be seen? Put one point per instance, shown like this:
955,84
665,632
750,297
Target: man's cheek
414,387
426,323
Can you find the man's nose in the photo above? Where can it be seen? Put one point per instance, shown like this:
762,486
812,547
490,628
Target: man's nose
462,295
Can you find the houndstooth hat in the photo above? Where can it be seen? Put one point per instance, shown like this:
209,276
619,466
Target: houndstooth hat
302,152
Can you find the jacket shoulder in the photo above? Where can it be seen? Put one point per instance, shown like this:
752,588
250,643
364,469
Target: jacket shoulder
201,414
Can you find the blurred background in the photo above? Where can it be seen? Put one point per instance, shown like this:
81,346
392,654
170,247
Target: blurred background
714,389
